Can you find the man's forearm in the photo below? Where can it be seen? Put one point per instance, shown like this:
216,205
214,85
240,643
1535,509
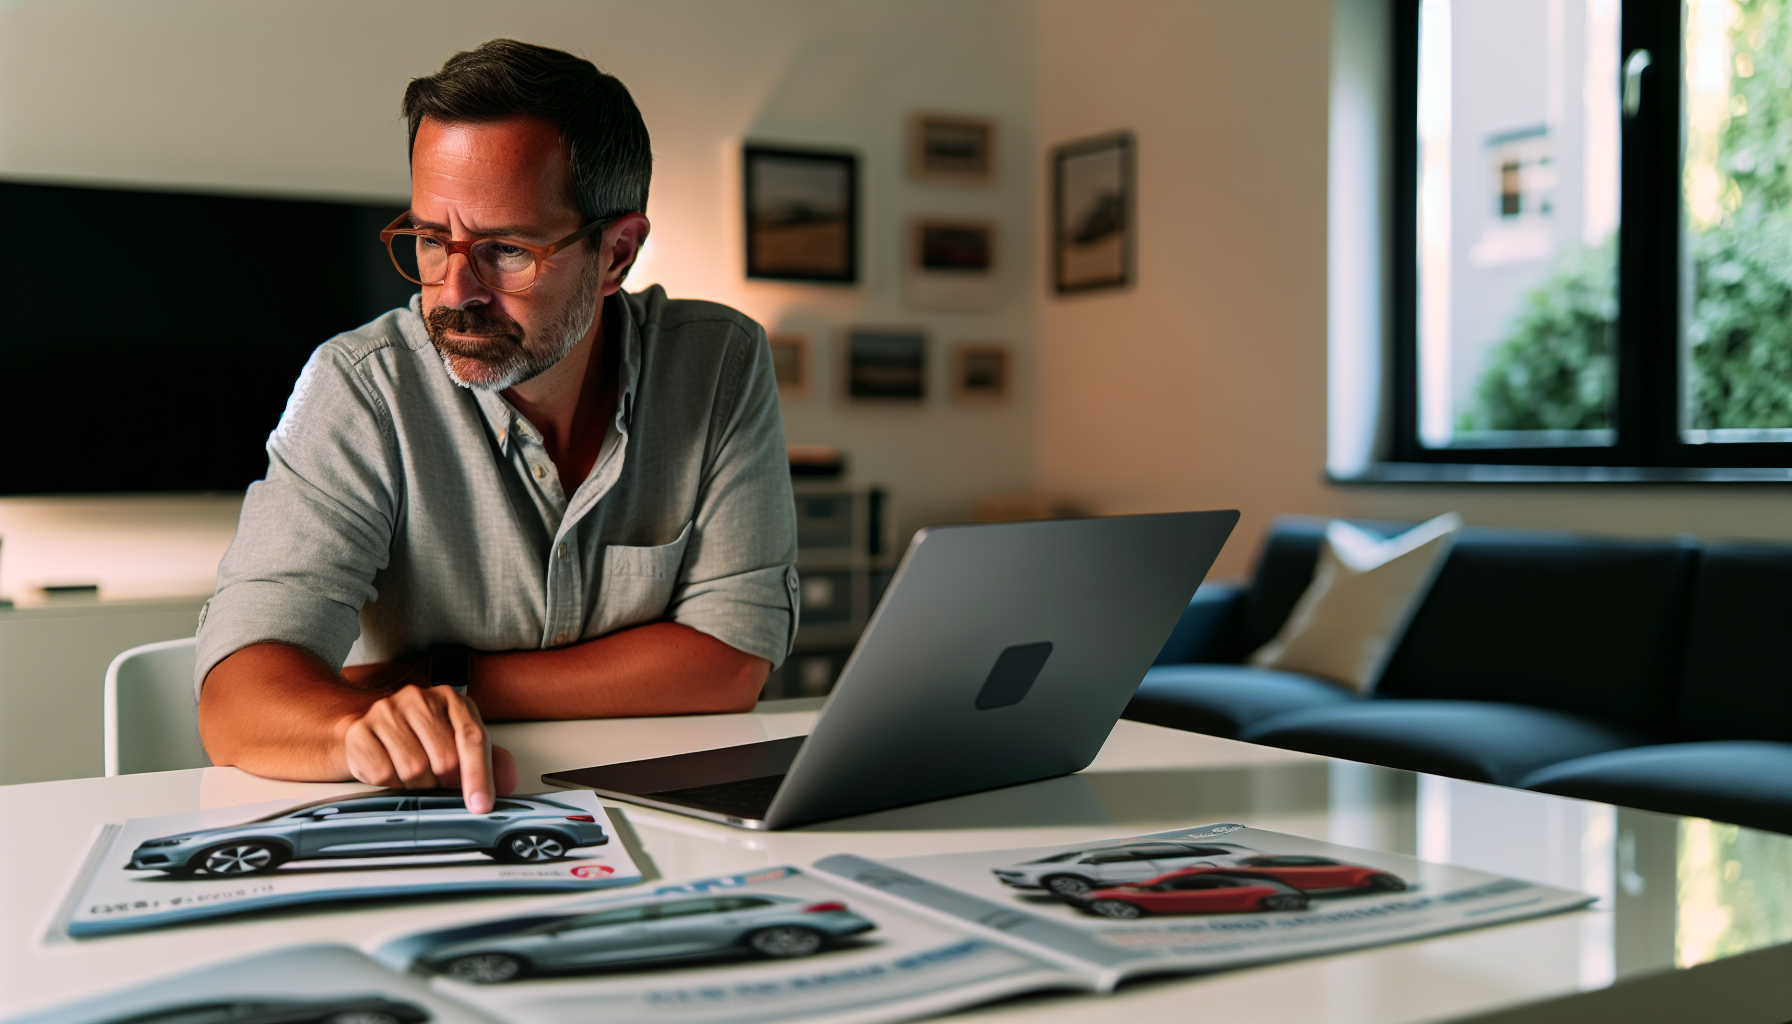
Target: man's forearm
279,711
658,669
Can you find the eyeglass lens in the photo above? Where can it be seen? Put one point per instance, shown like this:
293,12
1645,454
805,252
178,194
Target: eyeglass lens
425,261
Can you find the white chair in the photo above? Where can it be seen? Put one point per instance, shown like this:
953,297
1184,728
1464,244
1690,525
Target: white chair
152,713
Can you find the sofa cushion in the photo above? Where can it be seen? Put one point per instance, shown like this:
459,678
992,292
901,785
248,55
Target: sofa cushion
1737,683
1363,593
1586,625
1222,699
1742,782
1476,740
1284,569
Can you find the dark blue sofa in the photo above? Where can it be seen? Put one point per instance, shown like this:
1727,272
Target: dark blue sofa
1650,673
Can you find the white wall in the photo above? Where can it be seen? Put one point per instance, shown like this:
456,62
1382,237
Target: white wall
300,97
1205,386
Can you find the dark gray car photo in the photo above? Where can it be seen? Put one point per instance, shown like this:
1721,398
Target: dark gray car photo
342,1010
518,829
666,928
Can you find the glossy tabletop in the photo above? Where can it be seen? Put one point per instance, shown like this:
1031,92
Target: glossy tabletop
1694,920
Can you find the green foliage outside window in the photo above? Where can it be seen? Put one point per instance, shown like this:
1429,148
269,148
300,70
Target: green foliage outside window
1555,368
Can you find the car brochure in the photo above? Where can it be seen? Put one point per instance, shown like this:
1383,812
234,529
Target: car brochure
1199,899
228,860
322,984
780,944
852,940
859,940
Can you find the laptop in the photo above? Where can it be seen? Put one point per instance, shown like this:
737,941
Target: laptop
1001,653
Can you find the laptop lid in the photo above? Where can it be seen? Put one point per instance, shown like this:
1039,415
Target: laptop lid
1001,653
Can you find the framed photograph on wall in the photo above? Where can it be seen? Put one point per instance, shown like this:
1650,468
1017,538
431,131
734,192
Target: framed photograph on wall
951,264
1092,214
790,364
802,210
886,365
950,150
980,372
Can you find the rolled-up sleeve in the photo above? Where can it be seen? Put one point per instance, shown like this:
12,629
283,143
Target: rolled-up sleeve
738,582
315,532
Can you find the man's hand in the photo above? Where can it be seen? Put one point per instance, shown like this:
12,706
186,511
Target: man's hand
279,711
424,738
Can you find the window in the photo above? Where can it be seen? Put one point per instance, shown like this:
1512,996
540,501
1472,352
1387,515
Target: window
625,915
1594,237
687,908
1199,882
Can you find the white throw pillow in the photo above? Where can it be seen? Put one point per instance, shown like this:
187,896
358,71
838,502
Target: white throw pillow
1364,592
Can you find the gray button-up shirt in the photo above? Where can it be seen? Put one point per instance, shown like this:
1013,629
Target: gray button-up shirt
411,511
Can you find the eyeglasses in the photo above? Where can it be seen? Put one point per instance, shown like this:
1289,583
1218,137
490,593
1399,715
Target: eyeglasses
501,264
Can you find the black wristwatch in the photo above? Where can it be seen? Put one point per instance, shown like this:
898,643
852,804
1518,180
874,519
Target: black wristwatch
451,665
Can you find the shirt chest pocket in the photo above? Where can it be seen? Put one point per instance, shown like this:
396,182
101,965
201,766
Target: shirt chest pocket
638,583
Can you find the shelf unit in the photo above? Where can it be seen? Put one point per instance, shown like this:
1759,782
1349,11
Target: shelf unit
843,562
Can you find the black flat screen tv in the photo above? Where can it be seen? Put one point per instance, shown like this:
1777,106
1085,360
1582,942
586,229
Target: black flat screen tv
151,338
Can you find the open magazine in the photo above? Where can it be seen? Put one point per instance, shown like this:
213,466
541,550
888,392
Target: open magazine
228,860
853,940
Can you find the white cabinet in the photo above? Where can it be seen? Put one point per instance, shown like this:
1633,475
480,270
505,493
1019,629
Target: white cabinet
53,662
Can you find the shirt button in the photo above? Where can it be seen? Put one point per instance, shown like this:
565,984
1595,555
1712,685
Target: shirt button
540,471
559,638
562,551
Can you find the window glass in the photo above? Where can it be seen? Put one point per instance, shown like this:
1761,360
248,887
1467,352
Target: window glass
442,803
1518,132
372,805
741,902
1736,188
1155,851
608,917
511,807
685,908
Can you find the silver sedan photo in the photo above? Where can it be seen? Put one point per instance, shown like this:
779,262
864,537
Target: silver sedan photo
667,928
518,829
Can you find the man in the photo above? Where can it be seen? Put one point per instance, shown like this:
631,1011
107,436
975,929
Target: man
559,499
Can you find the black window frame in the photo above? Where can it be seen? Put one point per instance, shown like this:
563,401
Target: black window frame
1648,410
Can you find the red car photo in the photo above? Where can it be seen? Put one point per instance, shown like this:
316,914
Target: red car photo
1200,891
1321,875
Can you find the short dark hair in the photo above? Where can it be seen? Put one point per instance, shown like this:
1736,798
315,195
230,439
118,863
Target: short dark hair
612,157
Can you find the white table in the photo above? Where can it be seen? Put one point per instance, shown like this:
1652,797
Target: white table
1620,960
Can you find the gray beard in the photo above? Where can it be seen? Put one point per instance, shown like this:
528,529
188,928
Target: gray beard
528,361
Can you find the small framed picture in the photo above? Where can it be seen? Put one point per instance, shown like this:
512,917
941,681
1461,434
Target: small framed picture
1092,214
886,365
790,364
802,209
951,264
949,150
980,372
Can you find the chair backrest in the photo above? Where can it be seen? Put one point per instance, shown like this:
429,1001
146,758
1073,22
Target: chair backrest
152,714
1737,683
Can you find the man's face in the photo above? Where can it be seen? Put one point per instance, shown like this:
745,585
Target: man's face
509,179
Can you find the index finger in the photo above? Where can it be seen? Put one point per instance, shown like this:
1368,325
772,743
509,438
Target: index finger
475,749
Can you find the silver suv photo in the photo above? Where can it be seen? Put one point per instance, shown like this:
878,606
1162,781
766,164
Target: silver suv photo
519,829
1076,872
666,928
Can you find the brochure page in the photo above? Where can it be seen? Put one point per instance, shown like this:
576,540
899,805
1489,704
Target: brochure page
297,985
776,945
1202,898
228,860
